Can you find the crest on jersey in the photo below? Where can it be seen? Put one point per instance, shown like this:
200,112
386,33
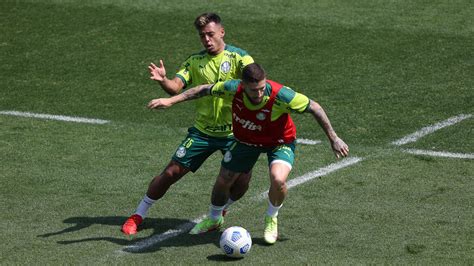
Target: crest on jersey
261,116
181,152
225,67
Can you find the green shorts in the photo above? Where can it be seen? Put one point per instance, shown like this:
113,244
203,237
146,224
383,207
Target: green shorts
197,147
241,157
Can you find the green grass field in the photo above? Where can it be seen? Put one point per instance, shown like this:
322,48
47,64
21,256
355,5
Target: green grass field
381,69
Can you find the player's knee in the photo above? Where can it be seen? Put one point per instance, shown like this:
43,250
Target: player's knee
167,177
173,172
279,184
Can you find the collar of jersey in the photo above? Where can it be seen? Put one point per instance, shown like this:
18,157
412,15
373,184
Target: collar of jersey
217,55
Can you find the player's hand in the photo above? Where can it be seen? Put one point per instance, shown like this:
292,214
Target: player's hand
160,103
157,73
340,148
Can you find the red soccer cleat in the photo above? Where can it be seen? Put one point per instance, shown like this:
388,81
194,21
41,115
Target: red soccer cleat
131,224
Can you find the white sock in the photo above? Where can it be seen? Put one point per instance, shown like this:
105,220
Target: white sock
272,211
144,205
215,212
227,205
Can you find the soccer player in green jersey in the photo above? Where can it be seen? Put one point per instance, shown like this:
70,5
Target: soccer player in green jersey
212,130
261,124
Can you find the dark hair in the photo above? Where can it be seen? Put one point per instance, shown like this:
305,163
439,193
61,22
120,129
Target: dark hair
253,73
202,20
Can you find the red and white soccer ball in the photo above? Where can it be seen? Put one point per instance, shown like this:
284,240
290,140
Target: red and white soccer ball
235,242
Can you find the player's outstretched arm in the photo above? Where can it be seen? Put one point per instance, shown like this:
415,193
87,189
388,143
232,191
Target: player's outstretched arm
339,147
193,93
158,73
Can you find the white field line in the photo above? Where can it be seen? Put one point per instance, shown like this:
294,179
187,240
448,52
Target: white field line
308,141
441,154
56,117
430,129
318,173
153,240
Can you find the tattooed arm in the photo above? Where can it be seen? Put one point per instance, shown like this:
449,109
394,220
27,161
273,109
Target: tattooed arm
339,147
193,93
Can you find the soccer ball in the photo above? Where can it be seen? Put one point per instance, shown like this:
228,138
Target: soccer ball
235,242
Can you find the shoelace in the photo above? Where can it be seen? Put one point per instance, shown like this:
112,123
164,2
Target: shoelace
272,224
210,223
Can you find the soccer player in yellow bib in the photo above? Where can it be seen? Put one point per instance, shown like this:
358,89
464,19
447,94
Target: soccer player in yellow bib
212,130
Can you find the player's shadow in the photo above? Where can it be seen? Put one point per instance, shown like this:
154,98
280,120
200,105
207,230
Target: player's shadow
164,233
259,241
222,258
79,223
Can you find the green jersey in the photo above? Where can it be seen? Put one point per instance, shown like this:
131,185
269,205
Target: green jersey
286,101
214,115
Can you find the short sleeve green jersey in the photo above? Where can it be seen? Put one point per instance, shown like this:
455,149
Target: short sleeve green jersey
287,100
214,115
